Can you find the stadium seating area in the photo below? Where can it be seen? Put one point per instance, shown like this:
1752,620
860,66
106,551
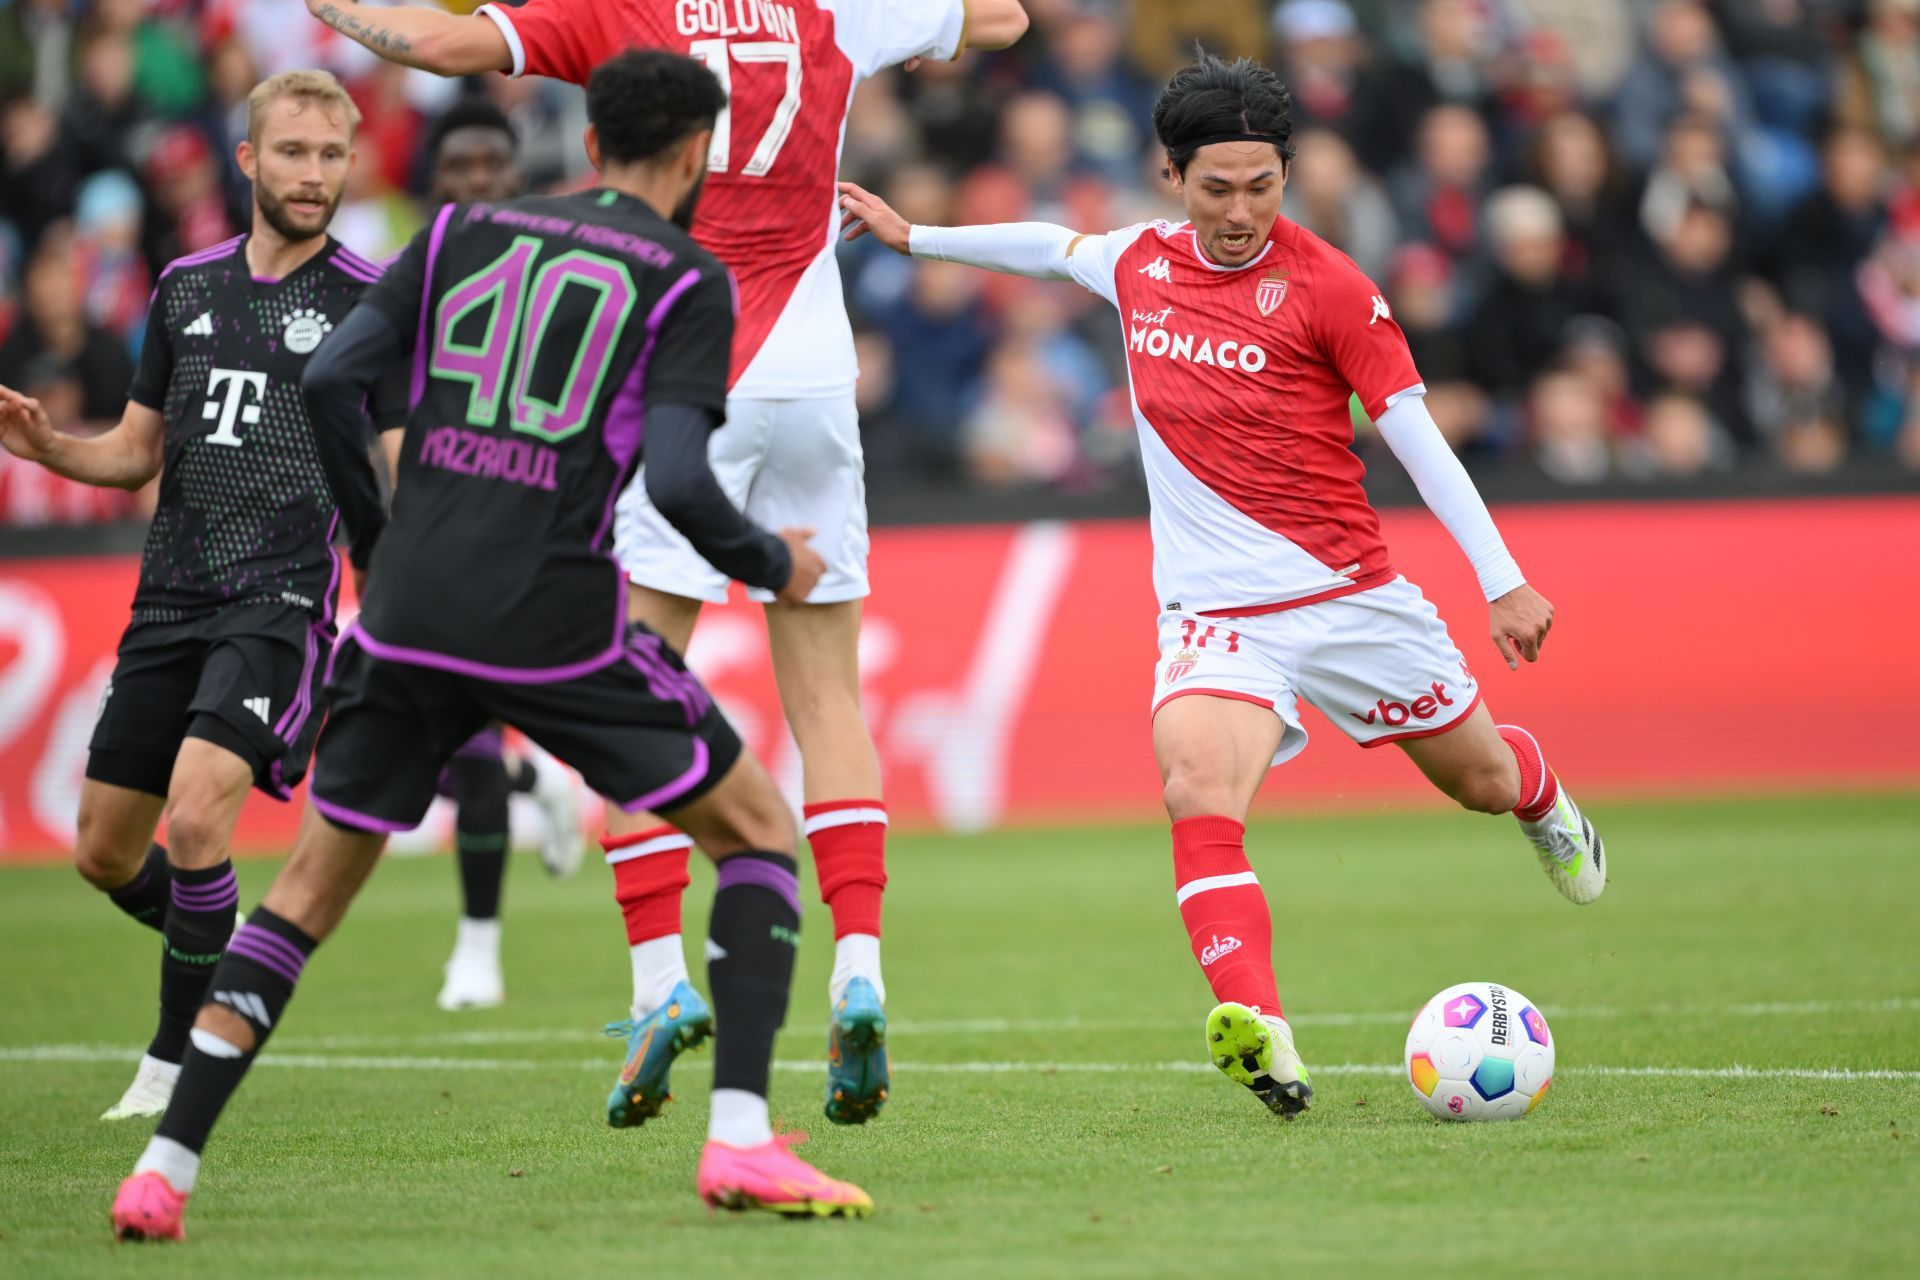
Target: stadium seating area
1631,240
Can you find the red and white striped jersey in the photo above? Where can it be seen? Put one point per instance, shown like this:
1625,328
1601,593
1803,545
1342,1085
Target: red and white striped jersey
1241,381
768,212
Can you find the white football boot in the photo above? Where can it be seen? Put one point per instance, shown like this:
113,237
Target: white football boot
148,1095
562,844
473,971
1570,850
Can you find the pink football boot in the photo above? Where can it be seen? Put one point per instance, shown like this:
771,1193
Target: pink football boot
148,1208
771,1177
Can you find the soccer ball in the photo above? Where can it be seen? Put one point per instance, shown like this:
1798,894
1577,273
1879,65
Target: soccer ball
1479,1051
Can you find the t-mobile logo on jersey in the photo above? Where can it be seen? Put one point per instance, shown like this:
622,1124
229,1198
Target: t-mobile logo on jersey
230,407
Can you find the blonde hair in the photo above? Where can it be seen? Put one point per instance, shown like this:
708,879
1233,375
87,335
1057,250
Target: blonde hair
318,86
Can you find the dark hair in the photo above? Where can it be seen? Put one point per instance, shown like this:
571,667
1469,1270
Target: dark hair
1212,100
644,101
472,111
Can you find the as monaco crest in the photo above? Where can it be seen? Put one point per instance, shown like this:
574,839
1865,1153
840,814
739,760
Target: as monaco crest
1271,292
1182,665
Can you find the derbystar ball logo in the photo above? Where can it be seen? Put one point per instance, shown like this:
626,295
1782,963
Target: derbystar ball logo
1395,714
1535,1024
1220,947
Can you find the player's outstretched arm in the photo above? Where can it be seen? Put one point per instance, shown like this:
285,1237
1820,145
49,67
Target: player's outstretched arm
1037,249
124,458
1519,617
995,24
448,44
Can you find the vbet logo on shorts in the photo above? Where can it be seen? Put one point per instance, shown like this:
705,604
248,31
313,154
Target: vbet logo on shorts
1395,714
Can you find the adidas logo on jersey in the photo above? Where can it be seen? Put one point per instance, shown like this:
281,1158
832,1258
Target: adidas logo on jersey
201,326
261,707
1157,270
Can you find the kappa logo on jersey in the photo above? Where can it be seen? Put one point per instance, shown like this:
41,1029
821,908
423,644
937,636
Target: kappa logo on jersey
1157,270
1270,293
1245,357
201,326
304,330
1395,714
230,408
262,707
1381,311
1221,947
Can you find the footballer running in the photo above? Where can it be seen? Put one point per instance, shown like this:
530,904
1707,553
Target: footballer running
1246,336
788,455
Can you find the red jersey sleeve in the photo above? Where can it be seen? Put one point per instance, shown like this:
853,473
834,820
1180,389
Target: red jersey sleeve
1356,332
563,39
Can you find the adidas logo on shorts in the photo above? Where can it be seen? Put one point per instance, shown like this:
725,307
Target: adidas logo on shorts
262,707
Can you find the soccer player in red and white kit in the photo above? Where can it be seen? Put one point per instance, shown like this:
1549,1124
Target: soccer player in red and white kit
789,454
1246,335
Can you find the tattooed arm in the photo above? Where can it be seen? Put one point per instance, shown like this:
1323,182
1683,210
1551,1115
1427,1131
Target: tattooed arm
431,39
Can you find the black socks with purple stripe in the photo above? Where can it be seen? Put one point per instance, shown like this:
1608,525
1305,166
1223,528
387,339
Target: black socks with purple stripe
199,922
254,980
481,789
145,897
751,942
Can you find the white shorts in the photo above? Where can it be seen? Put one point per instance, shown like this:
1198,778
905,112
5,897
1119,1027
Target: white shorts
1378,663
786,463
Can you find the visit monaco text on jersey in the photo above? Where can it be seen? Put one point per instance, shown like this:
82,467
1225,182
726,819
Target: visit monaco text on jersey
1241,382
768,211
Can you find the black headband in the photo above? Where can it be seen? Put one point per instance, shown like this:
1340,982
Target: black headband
1280,144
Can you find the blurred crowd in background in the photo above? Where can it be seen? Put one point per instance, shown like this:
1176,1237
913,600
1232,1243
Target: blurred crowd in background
1634,240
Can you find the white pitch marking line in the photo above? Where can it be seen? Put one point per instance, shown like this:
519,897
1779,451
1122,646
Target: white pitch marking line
358,1062
1006,1026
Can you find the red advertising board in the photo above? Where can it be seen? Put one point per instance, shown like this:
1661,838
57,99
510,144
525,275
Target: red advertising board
1697,647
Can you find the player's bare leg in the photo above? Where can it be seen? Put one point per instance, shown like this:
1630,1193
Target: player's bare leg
816,664
744,825
249,994
1493,768
1213,753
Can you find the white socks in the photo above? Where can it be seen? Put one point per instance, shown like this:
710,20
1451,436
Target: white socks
179,1166
478,938
739,1119
855,956
658,965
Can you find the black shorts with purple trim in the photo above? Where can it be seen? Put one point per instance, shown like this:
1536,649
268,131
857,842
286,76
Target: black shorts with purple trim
637,725
247,678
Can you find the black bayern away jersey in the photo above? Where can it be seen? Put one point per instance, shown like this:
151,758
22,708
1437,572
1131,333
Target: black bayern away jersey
542,329
244,514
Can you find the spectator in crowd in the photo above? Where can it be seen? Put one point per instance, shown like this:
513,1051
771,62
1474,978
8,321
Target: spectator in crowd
113,271
54,335
1794,396
1568,428
1439,192
1422,283
1520,324
1681,440
1332,196
1881,87
1571,160
1320,57
1684,311
1682,68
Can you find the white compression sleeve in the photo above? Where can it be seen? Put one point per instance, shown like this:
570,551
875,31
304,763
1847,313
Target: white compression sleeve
1037,249
1448,491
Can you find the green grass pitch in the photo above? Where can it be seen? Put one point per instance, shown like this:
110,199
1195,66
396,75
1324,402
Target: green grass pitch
1053,1113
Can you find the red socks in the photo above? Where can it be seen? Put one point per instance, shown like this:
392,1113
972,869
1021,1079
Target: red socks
1539,789
1225,911
849,839
649,874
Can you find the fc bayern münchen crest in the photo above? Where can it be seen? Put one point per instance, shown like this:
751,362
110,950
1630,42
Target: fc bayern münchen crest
305,329
1270,294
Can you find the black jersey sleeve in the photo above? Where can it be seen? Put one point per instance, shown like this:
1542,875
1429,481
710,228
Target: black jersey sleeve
339,380
681,485
396,294
150,377
695,346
